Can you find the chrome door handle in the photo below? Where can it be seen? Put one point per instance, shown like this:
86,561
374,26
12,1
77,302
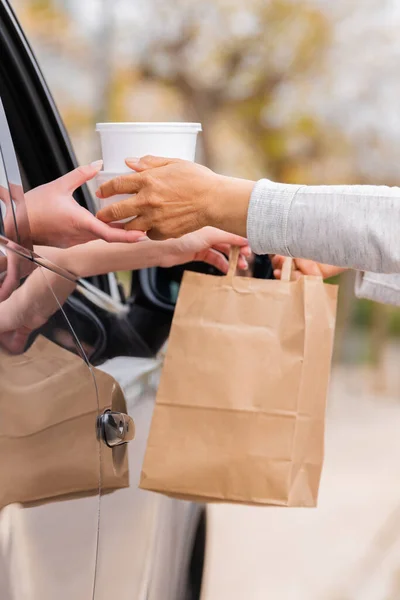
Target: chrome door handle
115,428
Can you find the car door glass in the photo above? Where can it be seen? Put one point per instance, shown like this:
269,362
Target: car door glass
50,471
49,408
14,222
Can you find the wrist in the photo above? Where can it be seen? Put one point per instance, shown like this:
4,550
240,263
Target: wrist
29,202
35,218
64,258
229,205
168,253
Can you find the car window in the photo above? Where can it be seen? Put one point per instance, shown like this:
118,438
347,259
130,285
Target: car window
50,402
14,215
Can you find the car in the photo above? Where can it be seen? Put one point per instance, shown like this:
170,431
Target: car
71,524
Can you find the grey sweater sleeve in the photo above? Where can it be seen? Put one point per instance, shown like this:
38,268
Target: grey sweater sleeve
347,226
379,287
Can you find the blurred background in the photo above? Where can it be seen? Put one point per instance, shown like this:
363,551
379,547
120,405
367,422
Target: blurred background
296,91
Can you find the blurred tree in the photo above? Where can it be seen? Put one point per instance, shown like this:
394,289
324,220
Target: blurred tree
103,60
247,65
47,18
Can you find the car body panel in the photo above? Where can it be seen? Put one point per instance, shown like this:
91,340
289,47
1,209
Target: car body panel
45,439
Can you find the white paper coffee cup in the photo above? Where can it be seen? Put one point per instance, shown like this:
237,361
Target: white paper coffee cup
120,141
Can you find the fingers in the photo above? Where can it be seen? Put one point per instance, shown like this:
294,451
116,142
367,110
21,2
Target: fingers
295,275
139,224
243,265
302,266
277,261
217,260
74,179
131,184
15,341
220,262
11,273
308,267
124,184
109,233
329,271
148,162
119,210
154,236
226,248
217,236
223,242
4,194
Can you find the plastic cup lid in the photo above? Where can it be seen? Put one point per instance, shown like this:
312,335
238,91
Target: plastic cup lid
150,127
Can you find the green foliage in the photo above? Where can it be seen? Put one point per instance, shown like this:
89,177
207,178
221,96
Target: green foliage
363,317
363,314
394,322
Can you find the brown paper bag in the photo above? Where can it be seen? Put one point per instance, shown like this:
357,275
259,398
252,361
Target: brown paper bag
241,405
48,444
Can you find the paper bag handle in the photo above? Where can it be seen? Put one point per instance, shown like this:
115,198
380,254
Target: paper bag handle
233,262
287,269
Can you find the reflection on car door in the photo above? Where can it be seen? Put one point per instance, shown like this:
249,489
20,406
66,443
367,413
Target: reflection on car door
49,406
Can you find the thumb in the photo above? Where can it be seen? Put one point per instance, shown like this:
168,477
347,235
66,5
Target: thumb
74,179
308,267
277,261
149,162
108,233
15,341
